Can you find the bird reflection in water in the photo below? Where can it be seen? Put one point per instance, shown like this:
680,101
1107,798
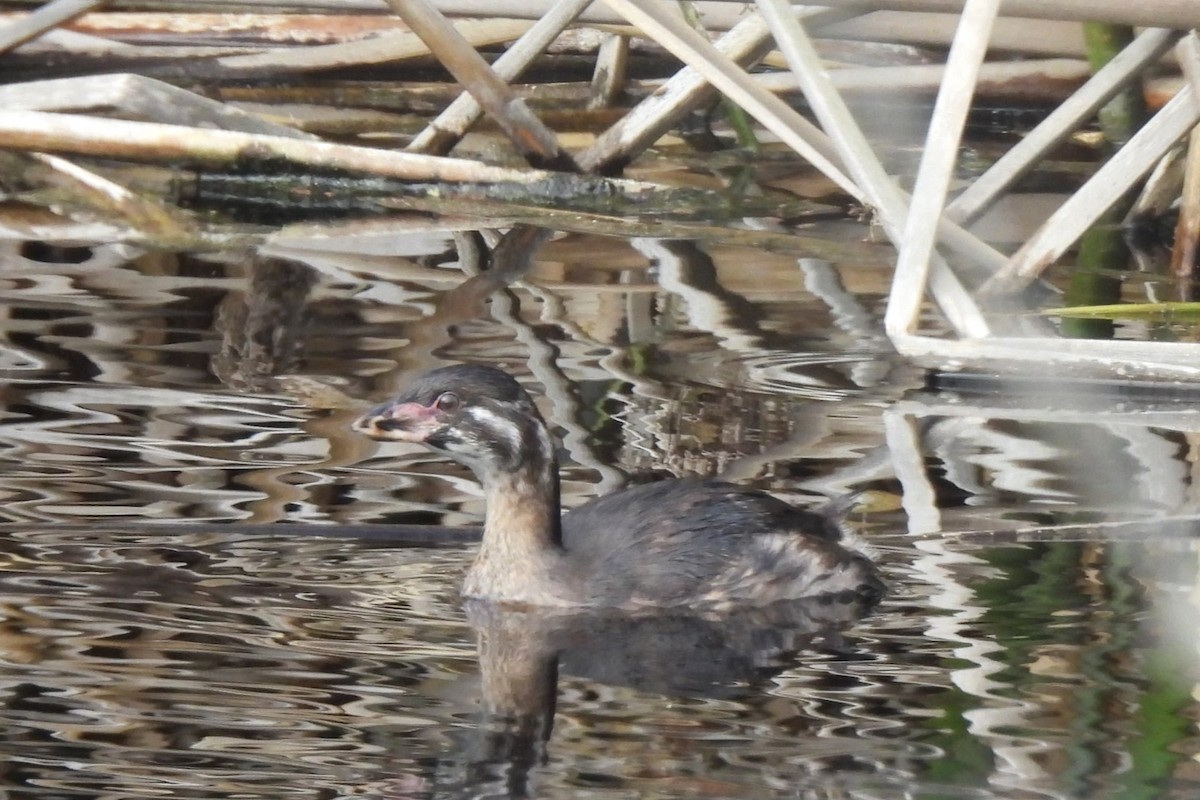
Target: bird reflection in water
522,652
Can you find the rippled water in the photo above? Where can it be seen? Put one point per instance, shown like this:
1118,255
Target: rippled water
231,661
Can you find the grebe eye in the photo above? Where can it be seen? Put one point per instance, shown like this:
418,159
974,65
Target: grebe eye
447,401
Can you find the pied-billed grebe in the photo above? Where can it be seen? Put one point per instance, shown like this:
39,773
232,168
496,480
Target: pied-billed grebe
694,544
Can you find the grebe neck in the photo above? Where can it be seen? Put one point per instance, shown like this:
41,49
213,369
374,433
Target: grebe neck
522,526
523,514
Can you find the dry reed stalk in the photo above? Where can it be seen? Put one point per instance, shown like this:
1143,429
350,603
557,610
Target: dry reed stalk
444,132
536,143
50,15
387,47
1185,257
149,141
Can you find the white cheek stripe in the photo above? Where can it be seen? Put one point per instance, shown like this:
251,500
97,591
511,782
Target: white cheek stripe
545,444
494,422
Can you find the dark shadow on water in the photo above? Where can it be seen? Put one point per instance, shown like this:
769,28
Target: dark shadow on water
398,535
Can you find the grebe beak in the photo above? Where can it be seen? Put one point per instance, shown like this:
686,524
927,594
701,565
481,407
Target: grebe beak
398,422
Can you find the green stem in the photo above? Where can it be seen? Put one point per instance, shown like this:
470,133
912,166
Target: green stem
1123,115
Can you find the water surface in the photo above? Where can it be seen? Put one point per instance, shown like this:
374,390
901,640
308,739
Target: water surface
146,389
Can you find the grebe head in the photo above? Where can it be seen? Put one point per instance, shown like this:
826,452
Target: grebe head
477,415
